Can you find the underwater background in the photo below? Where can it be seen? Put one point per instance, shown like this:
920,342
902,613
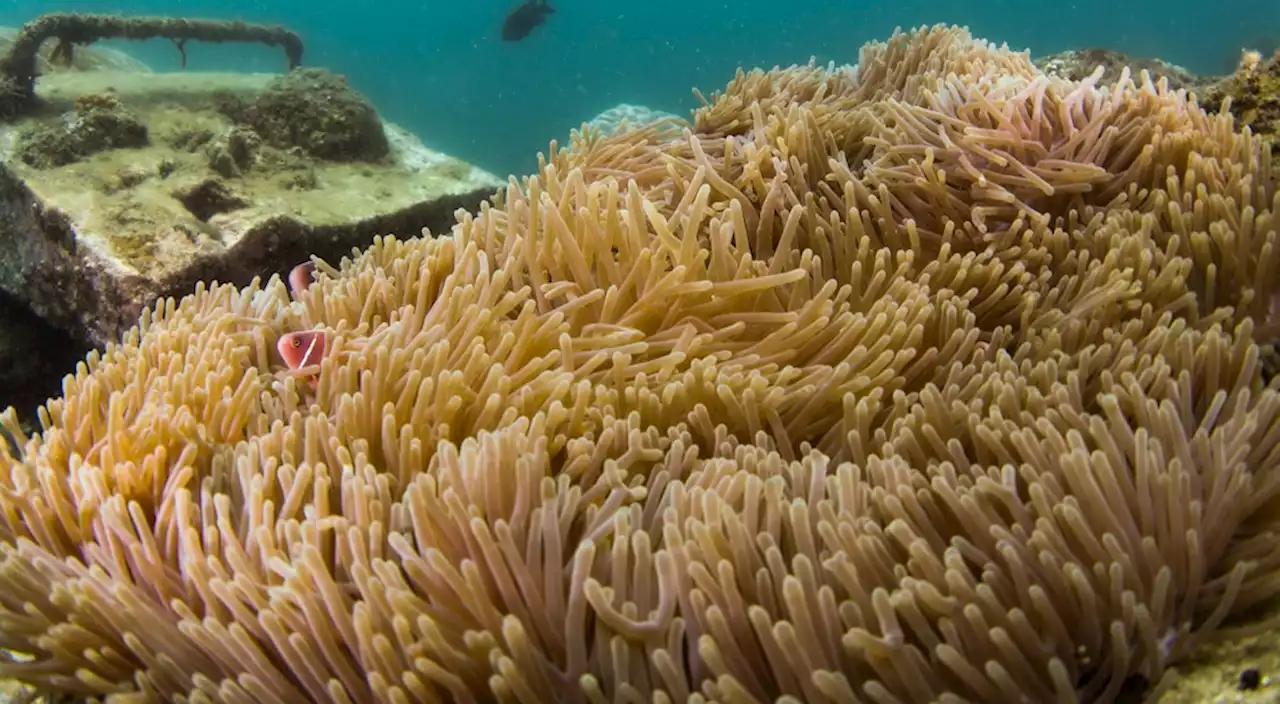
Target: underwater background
440,70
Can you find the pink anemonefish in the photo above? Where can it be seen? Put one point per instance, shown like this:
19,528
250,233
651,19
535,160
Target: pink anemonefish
302,349
301,276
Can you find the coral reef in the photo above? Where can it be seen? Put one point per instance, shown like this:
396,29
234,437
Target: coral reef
933,380
19,65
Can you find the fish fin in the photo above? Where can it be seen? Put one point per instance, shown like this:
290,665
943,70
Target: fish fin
302,276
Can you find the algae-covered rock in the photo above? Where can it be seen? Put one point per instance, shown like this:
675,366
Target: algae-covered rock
1241,670
90,242
1254,92
319,113
233,152
1078,64
98,123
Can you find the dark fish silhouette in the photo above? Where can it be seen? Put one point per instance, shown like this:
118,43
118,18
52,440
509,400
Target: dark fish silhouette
522,20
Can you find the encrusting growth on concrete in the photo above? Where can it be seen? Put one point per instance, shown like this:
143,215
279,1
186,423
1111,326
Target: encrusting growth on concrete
18,67
123,186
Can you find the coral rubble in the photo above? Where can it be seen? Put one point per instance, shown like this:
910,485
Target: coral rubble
933,380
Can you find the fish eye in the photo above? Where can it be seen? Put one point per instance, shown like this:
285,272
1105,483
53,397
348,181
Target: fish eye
295,342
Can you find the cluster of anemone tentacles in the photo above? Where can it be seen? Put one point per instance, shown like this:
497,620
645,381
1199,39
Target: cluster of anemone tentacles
936,379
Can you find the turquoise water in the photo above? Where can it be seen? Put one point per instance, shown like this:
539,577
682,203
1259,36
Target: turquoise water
440,70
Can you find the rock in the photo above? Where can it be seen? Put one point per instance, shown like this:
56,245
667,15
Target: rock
1078,64
98,123
232,152
95,238
1254,92
1213,671
317,112
33,359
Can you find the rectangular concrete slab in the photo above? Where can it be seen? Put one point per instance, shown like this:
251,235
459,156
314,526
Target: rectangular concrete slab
88,244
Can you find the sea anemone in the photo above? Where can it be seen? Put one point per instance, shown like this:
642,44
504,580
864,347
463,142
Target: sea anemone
935,380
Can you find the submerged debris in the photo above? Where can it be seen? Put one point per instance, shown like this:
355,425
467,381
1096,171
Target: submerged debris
19,66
